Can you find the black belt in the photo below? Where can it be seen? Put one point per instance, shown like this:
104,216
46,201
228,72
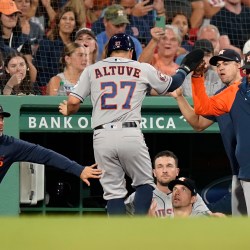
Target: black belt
124,125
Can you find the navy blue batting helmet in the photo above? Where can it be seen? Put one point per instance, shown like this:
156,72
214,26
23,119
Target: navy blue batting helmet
121,42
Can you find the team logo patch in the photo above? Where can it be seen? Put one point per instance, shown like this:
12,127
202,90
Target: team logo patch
120,13
118,44
221,52
162,76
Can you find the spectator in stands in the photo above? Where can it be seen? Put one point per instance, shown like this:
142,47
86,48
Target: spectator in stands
44,12
136,27
79,10
87,38
213,82
17,78
49,52
211,7
233,21
115,21
83,10
99,6
211,33
33,30
162,49
11,36
193,9
181,21
148,10
74,61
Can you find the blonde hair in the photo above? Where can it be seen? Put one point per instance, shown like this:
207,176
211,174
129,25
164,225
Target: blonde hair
68,50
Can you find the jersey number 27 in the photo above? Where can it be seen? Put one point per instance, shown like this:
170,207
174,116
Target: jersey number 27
113,93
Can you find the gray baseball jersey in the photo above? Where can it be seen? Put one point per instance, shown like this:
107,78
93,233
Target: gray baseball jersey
118,87
164,205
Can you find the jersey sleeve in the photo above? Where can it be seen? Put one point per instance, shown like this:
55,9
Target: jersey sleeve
83,87
215,105
25,151
157,80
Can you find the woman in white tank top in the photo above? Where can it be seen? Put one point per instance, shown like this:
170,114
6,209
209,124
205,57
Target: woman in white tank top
74,61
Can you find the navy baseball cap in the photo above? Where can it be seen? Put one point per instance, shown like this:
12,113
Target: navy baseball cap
225,55
185,182
2,113
205,45
246,61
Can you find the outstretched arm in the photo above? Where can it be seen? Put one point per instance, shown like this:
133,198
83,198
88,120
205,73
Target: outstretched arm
198,122
90,172
69,107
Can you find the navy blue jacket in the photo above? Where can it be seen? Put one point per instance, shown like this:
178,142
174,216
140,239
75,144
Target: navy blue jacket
228,137
234,100
15,150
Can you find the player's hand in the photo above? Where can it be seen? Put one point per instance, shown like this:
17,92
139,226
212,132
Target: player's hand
90,172
151,211
176,93
63,109
199,71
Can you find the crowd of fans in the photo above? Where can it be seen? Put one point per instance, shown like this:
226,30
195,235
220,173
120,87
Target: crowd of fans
39,33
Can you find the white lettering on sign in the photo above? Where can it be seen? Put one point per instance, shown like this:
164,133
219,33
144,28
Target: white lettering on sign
57,122
83,122
159,122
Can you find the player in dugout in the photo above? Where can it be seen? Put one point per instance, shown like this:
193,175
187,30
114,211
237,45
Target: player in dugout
234,100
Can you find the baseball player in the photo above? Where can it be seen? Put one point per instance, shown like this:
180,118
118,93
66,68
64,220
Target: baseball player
117,86
165,170
234,100
14,150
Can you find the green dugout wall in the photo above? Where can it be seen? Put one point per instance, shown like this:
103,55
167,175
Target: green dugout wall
39,114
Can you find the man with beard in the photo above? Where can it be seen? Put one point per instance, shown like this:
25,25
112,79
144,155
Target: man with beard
165,170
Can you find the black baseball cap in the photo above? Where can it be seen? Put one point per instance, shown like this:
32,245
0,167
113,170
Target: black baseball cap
85,31
185,182
205,45
2,113
246,61
225,55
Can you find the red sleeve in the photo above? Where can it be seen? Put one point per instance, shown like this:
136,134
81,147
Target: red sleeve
214,105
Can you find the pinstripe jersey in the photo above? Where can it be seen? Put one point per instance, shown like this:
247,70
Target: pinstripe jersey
117,87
